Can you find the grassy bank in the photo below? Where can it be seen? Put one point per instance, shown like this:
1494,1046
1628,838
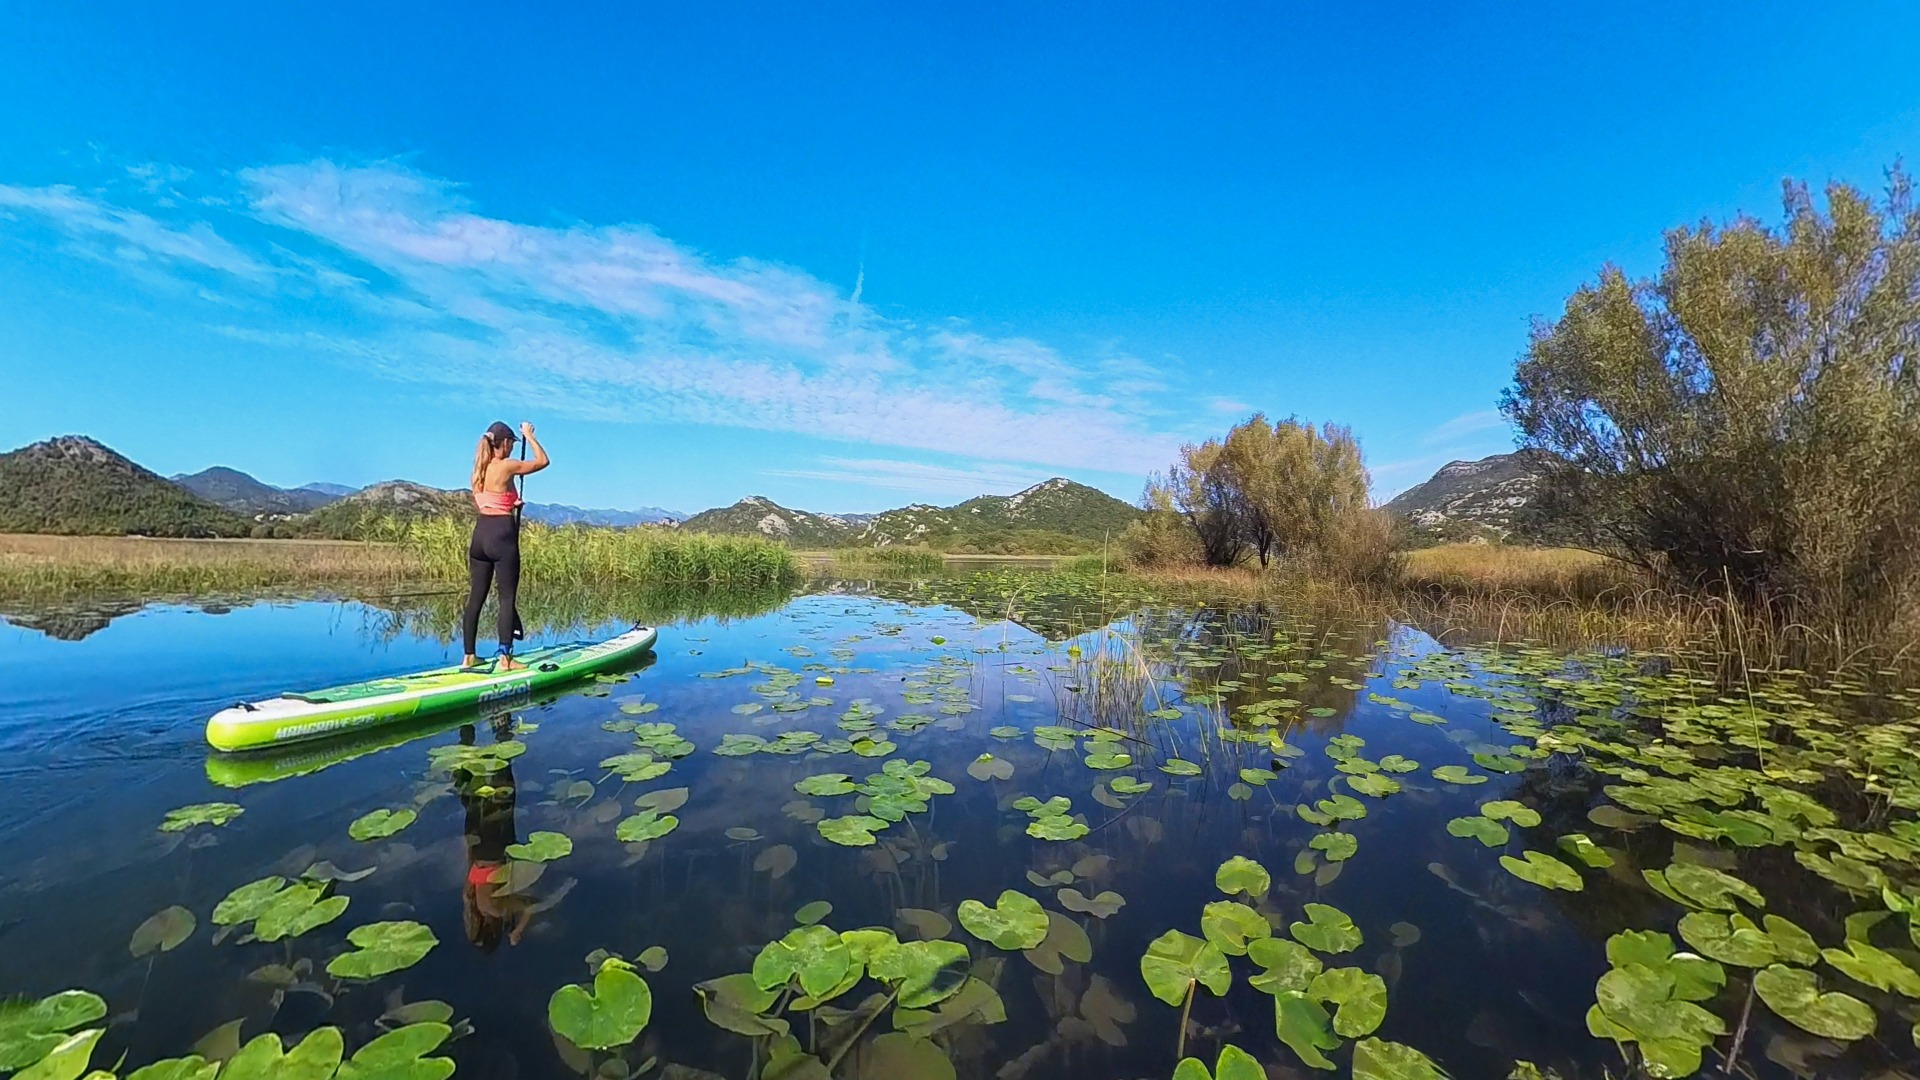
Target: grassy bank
51,569
912,559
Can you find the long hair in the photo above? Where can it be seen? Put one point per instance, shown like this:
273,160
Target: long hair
483,456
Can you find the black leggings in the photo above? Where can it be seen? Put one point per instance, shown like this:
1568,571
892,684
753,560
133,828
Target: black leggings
493,555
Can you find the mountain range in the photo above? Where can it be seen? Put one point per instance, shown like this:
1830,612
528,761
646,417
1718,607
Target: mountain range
1472,500
261,501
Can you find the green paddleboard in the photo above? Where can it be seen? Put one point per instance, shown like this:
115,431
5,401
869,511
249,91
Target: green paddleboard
319,714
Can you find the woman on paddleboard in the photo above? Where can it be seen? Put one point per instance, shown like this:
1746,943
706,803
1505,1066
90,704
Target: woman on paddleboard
493,555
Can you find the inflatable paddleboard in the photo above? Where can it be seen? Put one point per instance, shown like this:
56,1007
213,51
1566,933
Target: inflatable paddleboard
293,718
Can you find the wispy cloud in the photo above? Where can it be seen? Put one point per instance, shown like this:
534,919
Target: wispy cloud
129,235
972,479
1462,426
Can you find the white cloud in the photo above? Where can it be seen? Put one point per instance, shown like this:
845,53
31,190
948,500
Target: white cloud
129,235
1464,425
630,323
976,478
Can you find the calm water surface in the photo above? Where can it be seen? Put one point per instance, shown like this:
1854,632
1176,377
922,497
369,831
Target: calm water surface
101,737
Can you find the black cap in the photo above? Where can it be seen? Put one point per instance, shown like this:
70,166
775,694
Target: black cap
500,432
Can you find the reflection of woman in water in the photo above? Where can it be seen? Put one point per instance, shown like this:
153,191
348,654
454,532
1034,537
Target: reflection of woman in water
486,907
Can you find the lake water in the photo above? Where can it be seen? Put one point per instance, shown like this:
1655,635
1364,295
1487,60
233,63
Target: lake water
1305,742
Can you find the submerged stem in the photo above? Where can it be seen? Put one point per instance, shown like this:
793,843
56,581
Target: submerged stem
1180,1050
862,1030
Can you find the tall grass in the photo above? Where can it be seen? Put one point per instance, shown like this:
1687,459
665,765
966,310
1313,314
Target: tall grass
581,556
49,568
912,559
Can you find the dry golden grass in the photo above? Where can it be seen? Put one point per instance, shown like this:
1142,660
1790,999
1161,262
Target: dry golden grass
51,567
1492,569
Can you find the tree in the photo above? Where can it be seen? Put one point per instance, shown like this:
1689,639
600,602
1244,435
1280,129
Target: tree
1751,417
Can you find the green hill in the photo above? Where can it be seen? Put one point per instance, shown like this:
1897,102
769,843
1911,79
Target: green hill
378,512
73,485
243,494
1057,516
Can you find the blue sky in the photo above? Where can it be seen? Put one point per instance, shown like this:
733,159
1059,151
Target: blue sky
855,255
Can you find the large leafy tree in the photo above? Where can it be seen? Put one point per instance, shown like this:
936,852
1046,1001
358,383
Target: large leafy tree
1750,418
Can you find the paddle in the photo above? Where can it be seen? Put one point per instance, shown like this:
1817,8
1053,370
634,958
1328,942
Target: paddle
520,492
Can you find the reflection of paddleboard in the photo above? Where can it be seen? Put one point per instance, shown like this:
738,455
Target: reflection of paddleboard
318,714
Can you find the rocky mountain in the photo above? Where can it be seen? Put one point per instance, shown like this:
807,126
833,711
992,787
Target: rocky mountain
761,516
379,509
1471,500
76,486
1055,515
333,490
562,514
243,494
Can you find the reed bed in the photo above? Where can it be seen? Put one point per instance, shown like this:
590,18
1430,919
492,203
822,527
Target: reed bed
52,568
914,558
580,556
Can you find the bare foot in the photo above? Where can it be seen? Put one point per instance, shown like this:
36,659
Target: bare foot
508,663
470,661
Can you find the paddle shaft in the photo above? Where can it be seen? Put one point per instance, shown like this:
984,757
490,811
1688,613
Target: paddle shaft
520,491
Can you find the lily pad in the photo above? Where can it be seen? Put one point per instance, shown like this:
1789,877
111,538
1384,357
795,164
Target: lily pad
1794,995
664,801
1302,1023
1230,925
1543,870
1705,887
381,824
315,1057
381,948
1242,875
1233,1064
812,912
1284,965
542,847
1377,1059
1015,921
1327,930
187,817
1361,998
163,931
1508,810
1337,846
1457,774
816,955
401,1054
1863,963
825,784
776,861
854,830
191,1067
1102,906
297,909
1375,785
1056,827
1179,767
1581,847
1489,832
1730,939
987,767
30,1030
1108,759
646,825
917,968
1175,961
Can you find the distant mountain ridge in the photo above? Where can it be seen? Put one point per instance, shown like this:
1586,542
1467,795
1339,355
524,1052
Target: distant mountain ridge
1057,514
74,485
243,494
1472,500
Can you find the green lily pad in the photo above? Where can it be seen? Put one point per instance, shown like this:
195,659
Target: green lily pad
1377,1059
1127,785
401,1054
1342,808
1284,965
1507,810
854,830
987,767
1374,784
1327,930
1703,886
381,948
1232,1064
1242,875
1258,777
542,847
1581,847
1489,832
1360,997
67,1060
1108,759
1874,967
163,931
1729,939
916,969
825,784
1175,961
813,912
1794,995
1457,774
735,1002
1102,906
1015,921
244,904
1056,827
1794,945
30,1030
637,767
1302,1023
814,954
315,1057
295,910
645,825
1230,926
187,817
1178,767
1502,763
381,824
1337,846
1543,870
664,801
1395,763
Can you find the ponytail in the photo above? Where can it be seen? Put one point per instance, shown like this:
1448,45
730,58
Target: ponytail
482,457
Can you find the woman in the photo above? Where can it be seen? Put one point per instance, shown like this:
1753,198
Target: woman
487,910
494,553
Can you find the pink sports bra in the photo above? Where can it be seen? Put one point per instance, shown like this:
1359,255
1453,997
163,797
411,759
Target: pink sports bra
496,502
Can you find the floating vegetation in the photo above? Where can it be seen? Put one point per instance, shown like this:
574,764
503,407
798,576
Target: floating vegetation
1752,848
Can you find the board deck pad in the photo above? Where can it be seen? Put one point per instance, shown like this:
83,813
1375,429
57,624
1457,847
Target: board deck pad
316,714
